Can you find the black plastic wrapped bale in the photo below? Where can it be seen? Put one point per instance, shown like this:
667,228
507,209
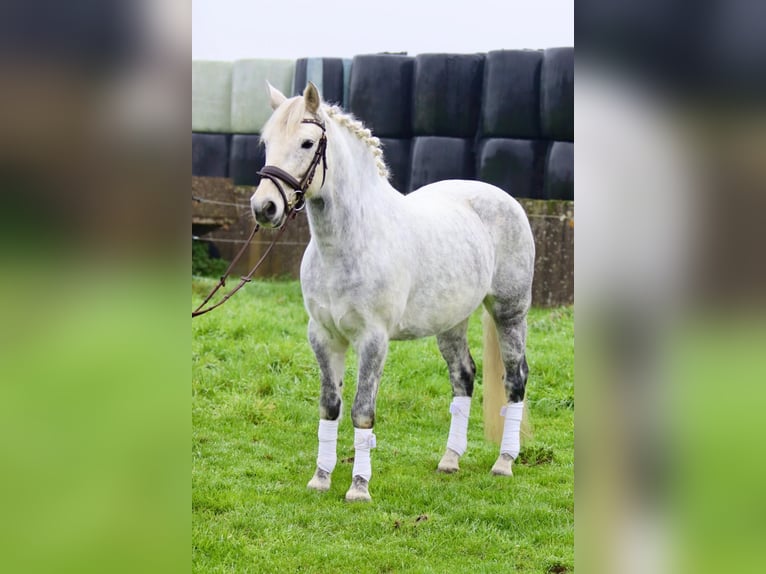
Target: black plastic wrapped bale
247,157
397,155
559,171
210,155
380,93
511,100
327,74
557,94
513,165
446,97
437,158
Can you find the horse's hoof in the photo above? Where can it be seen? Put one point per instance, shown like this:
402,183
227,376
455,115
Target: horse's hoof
449,462
320,481
358,491
503,465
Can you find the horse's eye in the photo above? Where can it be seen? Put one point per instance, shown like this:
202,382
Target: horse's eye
307,144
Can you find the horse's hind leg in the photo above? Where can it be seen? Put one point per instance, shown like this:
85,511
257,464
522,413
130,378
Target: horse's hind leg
453,345
330,354
512,336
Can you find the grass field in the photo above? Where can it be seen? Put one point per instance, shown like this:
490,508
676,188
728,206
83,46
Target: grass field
255,412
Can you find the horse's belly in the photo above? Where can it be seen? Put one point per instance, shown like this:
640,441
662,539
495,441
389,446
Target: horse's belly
430,312
448,286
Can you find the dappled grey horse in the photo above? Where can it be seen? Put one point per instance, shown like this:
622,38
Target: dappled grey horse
383,266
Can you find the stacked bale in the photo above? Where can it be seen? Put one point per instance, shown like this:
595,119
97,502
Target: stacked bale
250,109
248,156
397,153
250,101
435,158
511,154
510,106
211,117
211,96
446,104
380,94
210,155
515,165
557,94
329,75
557,121
559,171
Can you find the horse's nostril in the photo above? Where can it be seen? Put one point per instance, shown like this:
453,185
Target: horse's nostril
269,209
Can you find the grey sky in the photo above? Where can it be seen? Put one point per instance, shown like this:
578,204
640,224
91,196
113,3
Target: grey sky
233,29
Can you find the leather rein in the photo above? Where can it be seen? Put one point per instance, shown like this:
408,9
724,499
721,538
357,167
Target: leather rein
275,175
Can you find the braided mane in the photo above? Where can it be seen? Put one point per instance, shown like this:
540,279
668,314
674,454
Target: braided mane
357,128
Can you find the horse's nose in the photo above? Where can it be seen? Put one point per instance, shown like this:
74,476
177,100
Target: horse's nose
264,210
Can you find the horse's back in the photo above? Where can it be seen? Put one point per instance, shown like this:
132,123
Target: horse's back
506,222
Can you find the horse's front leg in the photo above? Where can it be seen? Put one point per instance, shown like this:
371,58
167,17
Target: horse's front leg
371,349
330,353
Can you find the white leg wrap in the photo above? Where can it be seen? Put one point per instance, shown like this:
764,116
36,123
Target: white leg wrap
328,440
458,430
364,440
511,442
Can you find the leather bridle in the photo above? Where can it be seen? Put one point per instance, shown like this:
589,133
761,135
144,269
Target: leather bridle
276,174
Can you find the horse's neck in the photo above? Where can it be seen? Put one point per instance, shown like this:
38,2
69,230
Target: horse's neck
356,204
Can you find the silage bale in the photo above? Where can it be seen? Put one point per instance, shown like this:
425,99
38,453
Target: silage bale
514,165
511,97
557,94
447,94
396,153
559,171
211,96
250,101
380,93
435,158
327,74
210,154
247,157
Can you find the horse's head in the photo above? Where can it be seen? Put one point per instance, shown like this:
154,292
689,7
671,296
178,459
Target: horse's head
295,166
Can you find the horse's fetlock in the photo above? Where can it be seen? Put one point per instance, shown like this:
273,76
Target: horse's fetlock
329,408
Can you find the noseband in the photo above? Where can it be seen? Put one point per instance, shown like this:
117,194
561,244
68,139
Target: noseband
276,174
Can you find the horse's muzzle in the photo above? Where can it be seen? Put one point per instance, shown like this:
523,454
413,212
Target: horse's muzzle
267,210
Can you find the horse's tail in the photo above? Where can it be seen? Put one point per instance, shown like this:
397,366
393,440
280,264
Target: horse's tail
494,387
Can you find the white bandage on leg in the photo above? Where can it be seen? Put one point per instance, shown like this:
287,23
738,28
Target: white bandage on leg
458,429
364,440
328,440
511,430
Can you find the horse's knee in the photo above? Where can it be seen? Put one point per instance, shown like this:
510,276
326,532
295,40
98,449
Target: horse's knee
516,381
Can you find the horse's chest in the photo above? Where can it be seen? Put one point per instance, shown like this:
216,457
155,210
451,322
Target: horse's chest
348,305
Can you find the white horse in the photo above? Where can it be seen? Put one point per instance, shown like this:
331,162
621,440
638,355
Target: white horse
383,266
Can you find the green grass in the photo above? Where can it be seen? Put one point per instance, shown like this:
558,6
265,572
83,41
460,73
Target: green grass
255,414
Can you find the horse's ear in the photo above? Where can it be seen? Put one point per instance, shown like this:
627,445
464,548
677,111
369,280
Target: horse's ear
311,95
276,96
